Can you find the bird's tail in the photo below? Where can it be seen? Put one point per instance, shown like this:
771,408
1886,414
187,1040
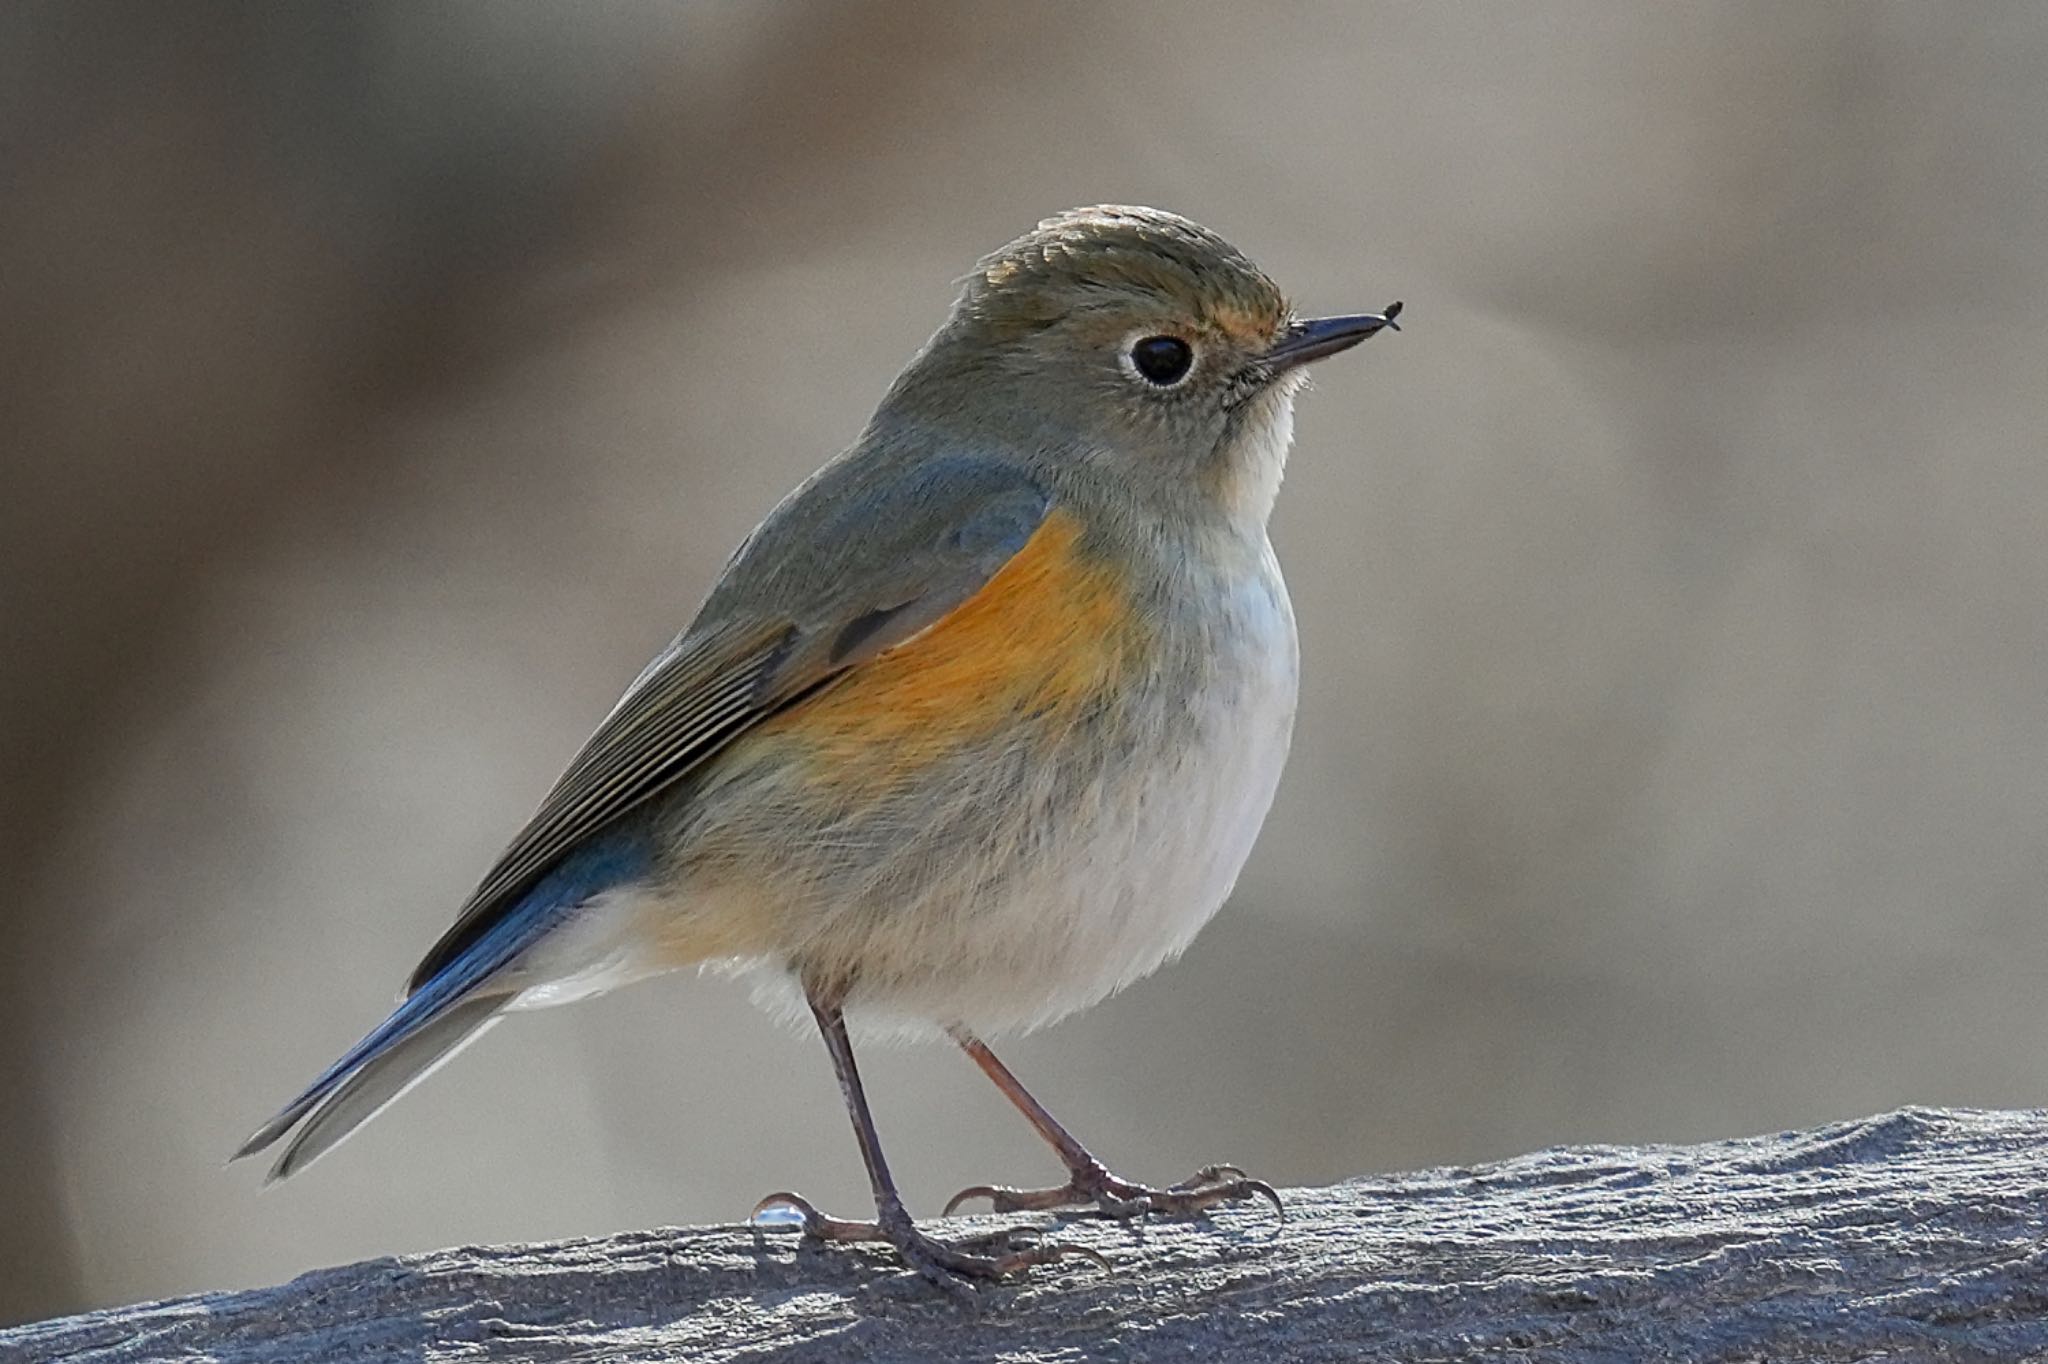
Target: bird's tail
464,995
344,1099
427,1028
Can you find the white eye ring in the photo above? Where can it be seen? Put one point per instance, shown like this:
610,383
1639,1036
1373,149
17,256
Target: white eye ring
1156,359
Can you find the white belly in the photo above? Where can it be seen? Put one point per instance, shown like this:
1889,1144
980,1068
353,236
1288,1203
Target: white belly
1141,867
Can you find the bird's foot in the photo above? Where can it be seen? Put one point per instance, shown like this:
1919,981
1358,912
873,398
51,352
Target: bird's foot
954,1266
1093,1184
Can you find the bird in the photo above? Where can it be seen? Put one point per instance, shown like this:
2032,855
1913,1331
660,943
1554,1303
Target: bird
975,728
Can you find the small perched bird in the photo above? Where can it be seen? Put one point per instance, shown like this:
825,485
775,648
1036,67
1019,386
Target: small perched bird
977,726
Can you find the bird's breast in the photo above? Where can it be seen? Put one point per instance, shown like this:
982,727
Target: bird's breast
1143,881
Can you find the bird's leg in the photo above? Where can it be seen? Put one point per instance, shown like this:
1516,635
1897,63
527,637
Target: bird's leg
952,1266
1089,1180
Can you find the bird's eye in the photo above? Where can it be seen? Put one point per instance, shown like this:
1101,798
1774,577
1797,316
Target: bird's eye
1162,360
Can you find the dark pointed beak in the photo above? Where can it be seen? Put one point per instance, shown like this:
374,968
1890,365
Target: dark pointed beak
1321,336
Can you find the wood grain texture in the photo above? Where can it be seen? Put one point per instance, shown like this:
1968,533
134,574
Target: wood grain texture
1918,1235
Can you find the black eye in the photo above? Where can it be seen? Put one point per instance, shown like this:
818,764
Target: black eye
1163,360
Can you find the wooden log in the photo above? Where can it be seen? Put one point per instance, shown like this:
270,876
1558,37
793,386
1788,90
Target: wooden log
1918,1235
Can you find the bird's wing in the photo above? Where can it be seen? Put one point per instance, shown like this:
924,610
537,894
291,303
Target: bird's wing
836,576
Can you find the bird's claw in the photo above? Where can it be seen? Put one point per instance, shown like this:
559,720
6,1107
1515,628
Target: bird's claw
1094,1185
951,1265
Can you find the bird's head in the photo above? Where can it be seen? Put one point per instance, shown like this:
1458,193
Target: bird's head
1134,339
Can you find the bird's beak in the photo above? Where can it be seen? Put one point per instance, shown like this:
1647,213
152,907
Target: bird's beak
1321,336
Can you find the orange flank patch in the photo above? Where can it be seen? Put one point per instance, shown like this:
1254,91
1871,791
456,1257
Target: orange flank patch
1046,634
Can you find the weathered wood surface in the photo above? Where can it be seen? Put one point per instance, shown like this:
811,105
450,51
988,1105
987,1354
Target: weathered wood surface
1920,1235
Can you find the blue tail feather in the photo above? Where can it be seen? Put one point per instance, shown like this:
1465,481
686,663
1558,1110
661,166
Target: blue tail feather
594,868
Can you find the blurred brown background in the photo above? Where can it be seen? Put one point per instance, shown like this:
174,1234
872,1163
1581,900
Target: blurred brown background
382,383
